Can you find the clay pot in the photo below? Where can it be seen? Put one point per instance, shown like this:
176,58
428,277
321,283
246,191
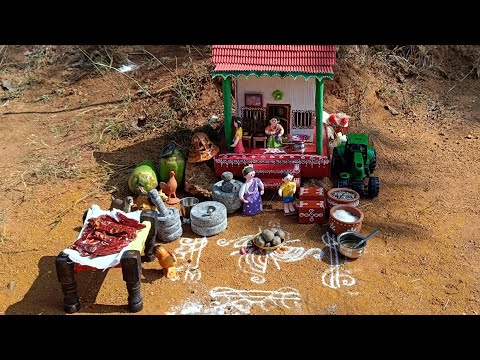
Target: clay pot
332,201
338,226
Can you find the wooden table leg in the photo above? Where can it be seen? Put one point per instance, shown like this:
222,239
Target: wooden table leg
132,273
151,216
66,276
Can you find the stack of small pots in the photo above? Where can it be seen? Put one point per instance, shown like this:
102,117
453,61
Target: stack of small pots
348,200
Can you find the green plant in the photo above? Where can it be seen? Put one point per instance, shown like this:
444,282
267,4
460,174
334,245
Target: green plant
44,98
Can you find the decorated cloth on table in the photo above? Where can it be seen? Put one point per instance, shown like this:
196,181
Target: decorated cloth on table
108,261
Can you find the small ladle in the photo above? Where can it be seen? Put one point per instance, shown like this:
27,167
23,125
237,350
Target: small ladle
368,237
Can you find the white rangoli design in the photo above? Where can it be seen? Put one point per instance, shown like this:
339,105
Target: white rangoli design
190,251
226,300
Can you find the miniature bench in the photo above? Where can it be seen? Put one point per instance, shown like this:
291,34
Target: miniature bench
68,262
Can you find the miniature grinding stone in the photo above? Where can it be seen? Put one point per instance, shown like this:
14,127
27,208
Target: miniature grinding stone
166,238
172,217
169,224
209,231
229,199
157,200
227,185
201,217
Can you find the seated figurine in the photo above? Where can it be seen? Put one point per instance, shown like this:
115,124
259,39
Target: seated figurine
275,132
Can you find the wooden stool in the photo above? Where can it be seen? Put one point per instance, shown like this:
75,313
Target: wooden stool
261,139
248,139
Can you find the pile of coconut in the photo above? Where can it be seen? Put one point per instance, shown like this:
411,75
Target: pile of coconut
269,238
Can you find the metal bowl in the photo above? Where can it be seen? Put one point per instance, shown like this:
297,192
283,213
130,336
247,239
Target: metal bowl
347,240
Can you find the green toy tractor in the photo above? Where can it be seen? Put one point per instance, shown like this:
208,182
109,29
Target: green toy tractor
352,164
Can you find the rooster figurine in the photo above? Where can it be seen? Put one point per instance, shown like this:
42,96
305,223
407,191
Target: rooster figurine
167,261
169,188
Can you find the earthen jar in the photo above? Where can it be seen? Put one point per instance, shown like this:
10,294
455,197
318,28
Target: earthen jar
332,201
338,226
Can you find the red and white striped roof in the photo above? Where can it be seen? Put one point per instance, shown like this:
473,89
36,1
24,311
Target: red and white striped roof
289,58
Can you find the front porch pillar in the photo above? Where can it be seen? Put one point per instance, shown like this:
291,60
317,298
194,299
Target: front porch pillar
319,114
227,111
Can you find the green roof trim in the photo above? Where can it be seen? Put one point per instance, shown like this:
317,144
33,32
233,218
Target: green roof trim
282,74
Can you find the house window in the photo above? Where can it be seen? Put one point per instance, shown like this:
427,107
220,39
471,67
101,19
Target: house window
303,119
254,113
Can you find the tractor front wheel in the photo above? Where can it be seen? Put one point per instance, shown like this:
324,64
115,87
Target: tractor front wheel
373,186
342,183
359,187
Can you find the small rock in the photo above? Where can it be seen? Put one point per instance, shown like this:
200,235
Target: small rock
7,85
392,110
193,291
469,136
152,293
213,120
441,134
11,285
467,117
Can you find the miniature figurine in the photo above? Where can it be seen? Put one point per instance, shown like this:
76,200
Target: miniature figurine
237,140
170,188
167,261
251,192
275,132
286,191
124,205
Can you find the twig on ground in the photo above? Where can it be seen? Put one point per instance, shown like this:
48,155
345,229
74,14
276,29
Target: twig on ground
460,80
165,89
201,54
445,306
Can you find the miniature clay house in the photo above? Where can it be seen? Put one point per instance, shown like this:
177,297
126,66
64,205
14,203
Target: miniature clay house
281,81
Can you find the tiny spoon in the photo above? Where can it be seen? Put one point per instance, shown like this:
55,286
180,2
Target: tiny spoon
368,237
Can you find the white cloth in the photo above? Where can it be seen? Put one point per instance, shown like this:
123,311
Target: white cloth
107,261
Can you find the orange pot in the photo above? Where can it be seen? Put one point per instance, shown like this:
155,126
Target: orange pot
332,201
338,226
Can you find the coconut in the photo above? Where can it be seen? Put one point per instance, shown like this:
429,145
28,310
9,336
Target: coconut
280,234
267,235
276,241
259,241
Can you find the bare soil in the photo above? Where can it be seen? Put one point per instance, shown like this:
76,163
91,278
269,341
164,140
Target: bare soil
70,139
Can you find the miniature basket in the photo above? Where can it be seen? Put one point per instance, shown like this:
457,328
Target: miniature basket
270,248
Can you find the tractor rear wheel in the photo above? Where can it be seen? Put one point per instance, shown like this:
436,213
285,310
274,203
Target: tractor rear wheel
336,164
373,186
